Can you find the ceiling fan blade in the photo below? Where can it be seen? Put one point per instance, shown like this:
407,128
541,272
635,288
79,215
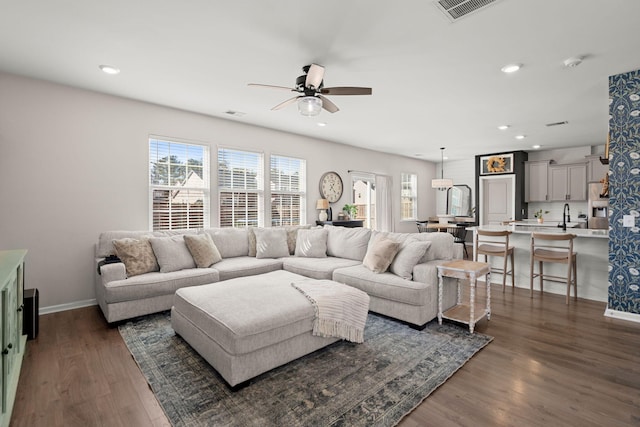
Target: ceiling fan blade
328,105
346,90
285,103
314,76
271,87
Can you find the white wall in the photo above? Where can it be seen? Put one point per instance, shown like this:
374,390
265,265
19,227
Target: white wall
74,163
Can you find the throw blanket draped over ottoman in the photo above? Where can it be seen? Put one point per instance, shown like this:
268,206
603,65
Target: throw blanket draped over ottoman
341,311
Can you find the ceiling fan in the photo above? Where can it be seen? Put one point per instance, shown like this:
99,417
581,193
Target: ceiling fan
311,88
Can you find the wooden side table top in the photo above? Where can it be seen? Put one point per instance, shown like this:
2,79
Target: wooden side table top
462,265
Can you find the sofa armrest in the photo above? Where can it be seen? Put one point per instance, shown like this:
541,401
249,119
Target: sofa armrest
114,271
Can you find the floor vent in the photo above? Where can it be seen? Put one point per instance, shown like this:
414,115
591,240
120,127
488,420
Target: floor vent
456,9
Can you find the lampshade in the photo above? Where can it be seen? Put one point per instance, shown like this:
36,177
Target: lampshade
322,204
442,183
309,106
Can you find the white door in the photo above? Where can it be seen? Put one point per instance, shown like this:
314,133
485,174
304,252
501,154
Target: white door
497,199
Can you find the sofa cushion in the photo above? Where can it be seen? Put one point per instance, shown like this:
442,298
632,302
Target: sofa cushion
408,256
292,234
386,285
172,253
231,242
156,284
349,243
231,268
380,254
312,243
316,268
137,255
271,242
203,250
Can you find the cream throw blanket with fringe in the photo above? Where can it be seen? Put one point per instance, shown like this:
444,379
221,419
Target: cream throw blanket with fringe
341,311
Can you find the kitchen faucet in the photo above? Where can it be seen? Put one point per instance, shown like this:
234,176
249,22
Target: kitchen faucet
566,216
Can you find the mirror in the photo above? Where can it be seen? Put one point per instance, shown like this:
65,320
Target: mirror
459,200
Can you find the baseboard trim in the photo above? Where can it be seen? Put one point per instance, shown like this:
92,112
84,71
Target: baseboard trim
68,306
632,317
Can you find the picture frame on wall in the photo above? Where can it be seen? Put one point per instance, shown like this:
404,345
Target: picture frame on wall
496,164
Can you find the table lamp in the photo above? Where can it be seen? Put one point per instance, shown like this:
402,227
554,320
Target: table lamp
322,205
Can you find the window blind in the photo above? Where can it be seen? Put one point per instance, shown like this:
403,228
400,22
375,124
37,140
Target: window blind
240,188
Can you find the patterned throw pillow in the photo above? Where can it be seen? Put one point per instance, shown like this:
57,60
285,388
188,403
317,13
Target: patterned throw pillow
312,243
380,255
203,250
271,243
137,256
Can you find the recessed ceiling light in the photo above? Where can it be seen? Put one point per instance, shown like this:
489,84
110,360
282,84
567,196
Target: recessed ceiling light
503,127
510,68
535,146
520,136
322,124
573,62
109,69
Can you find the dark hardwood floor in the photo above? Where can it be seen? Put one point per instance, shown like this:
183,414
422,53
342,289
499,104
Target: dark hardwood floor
549,365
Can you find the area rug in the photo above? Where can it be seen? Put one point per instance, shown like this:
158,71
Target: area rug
344,384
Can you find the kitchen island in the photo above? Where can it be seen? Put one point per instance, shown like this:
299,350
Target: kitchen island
591,245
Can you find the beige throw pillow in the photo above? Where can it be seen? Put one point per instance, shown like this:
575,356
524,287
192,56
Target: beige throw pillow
137,255
203,250
380,255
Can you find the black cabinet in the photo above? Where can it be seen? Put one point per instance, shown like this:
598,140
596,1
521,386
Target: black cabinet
349,224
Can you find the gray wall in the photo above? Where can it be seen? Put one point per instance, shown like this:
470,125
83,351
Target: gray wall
74,163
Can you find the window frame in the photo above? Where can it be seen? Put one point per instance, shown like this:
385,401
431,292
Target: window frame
258,191
301,193
180,146
412,197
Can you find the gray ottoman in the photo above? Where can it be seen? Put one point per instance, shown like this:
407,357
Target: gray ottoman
248,325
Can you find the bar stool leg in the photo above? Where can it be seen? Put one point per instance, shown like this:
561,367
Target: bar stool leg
531,262
513,271
575,278
504,272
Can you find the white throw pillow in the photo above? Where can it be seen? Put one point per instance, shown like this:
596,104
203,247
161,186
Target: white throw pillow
172,253
271,243
407,258
380,255
312,243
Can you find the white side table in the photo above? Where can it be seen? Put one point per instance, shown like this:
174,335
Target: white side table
467,271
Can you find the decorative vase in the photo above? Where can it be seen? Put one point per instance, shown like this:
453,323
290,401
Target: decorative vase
540,220
323,215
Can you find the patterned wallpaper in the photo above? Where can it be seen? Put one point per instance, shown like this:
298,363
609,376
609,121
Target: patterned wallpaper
624,191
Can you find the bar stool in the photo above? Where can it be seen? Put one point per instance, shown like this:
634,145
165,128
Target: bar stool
496,243
557,248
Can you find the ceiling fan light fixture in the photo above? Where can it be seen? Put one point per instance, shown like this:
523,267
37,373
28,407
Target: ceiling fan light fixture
309,106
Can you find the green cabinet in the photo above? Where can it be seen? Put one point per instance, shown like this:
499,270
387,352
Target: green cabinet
11,318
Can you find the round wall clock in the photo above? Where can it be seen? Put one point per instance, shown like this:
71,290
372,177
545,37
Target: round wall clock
331,186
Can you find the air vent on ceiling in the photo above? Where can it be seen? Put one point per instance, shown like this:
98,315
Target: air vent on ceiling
235,113
556,124
456,9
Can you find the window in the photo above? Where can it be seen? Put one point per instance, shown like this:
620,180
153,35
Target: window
178,184
288,192
363,187
409,196
240,188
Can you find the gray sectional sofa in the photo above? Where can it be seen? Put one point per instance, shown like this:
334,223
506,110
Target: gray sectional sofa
406,290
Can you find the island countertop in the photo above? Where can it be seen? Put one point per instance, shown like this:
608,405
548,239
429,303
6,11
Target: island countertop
528,229
591,245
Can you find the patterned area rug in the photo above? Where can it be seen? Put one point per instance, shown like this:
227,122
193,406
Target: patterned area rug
344,384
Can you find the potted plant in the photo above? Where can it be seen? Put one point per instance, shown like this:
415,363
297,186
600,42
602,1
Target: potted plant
539,214
350,210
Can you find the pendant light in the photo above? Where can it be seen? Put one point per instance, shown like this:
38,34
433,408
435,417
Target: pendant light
441,184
